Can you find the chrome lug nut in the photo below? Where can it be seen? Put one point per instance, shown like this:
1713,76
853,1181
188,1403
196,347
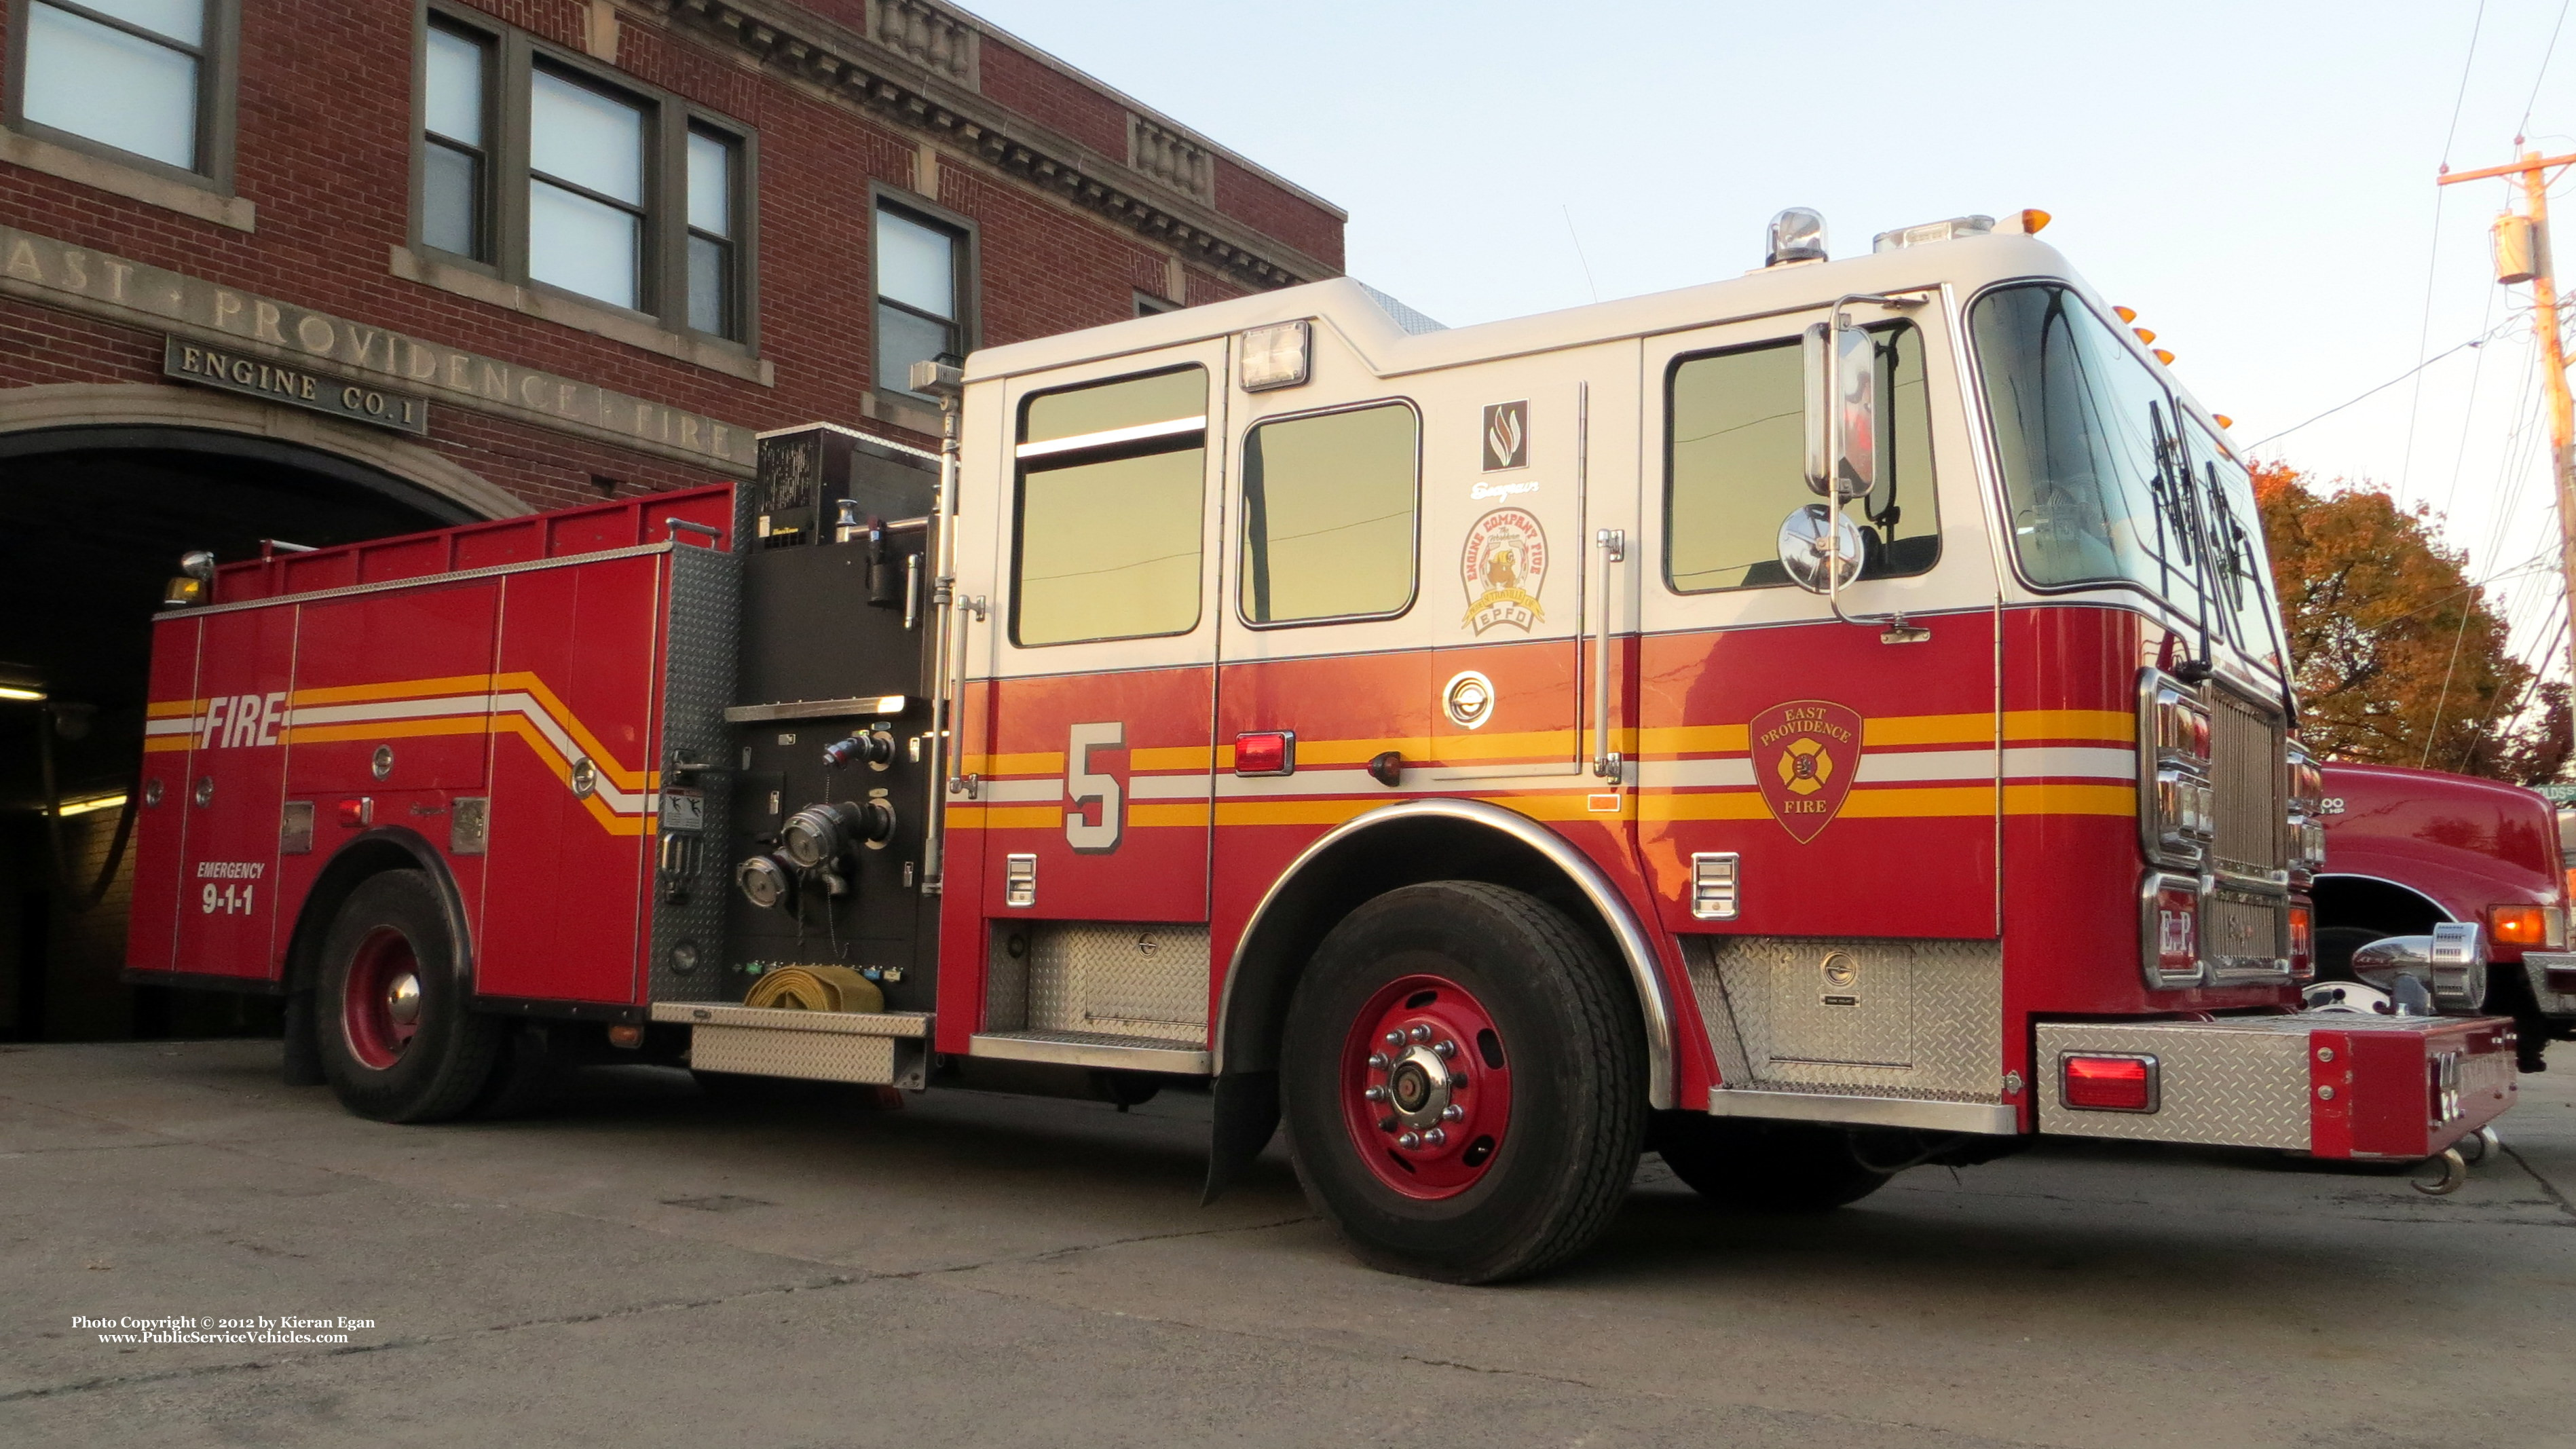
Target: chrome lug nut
1395,1039
1375,1094
1434,1137
1420,1033
1378,1062
1457,1082
1444,1049
1410,1140
1452,1112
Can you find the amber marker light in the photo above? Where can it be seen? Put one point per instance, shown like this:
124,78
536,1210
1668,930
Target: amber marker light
2144,335
2526,926
2033,221
2224,420
2162,356
2126,314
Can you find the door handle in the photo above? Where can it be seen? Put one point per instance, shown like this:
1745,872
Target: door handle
1606,763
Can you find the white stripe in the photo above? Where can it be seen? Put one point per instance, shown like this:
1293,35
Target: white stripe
319,714
1694,774
1020,792
1113,436
1169,787
1927,765
2071,762
174,725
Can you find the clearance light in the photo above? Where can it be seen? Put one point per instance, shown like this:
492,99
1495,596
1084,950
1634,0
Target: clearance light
14,691
2224,421
1276,356
2033,221
2103,1083
2528,926
70,808
2144,335
361,811
2162,356
2303,943
2126,314
1266,752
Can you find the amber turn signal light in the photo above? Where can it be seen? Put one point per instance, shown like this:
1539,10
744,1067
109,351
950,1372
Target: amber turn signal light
2519,925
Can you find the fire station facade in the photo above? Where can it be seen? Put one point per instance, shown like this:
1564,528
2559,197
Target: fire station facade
319,272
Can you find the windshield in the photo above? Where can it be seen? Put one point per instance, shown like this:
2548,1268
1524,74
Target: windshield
2105,480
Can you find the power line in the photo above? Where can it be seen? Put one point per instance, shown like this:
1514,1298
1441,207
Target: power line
2383,387
2525,123
2433,261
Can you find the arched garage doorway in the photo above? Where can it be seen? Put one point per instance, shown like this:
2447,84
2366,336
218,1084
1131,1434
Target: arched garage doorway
101,490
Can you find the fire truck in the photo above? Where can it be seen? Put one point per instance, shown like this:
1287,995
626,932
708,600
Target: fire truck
1806,725
2420,852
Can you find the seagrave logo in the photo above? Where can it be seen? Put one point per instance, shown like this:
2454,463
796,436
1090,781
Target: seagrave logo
1503,566
1805,753
1506,436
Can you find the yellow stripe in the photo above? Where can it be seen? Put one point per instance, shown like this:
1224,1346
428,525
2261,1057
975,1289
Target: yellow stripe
2115,725
1928,729
1174,757
398,689
163,744
1729,805
2070,800
167,708
387,729
1290,812
1039,762
1920,801
1005,817
1194,812
626,779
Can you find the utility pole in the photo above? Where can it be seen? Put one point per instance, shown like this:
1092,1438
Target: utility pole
2526,258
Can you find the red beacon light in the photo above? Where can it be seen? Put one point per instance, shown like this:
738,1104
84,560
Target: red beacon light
2107,1083
1266,752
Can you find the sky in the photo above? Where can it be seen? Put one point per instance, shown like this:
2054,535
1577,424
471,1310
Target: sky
2255,178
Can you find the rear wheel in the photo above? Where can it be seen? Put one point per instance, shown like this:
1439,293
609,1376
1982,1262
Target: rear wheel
396,1039
1462,1080
1752,1166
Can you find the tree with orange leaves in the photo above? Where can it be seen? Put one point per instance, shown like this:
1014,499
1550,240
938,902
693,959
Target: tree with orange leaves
2400,658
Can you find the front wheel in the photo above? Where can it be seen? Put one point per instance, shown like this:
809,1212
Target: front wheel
1462,1078
397,1041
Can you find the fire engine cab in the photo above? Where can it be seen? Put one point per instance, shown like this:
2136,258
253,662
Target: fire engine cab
1805,725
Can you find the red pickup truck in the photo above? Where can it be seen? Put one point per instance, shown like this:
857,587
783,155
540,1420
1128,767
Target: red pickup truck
2407,850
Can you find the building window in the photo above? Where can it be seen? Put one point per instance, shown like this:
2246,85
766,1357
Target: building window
711,227
141,77
456,165
541,168
1329,504
585,190
921,290
1149,305
1107,518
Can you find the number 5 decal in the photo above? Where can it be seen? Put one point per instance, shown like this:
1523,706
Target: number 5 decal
1082,786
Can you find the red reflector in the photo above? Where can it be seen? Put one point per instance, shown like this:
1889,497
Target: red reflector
357,812
2108,1084
1269,752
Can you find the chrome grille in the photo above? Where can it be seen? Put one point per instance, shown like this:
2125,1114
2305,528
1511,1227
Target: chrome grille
2245,768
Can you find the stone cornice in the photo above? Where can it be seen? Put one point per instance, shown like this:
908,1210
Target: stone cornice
892,85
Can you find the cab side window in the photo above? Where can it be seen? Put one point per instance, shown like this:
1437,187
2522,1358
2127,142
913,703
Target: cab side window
1106,516
1330,504
1735,465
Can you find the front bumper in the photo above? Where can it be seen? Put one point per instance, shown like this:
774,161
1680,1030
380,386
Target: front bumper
2331,1083
2553,980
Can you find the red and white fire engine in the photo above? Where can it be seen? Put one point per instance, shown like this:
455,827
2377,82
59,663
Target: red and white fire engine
1806,725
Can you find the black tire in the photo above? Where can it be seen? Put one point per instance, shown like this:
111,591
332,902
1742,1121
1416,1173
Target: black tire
1567,1019
437,1072
523,1080
1764,1167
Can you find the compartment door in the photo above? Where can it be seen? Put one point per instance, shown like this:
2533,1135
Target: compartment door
236,774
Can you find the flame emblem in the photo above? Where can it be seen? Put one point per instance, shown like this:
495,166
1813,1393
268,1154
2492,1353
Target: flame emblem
1506,436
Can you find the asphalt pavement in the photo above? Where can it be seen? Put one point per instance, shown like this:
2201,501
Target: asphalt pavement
638,1266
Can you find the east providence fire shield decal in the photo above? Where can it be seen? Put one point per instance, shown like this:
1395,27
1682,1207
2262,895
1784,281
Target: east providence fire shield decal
1805,754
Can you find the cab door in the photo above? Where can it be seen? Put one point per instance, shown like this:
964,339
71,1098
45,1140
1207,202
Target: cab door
1840,778
1093,772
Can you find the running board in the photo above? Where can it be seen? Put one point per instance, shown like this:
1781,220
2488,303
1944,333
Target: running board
886,1049
1983,1117
1099,1049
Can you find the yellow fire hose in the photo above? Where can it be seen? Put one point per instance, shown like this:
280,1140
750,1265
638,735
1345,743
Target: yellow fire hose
815,988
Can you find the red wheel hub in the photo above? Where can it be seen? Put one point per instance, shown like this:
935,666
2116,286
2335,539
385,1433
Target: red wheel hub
380,1007
1426,1088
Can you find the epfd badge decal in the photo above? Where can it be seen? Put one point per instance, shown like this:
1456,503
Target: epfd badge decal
1805,753
1504,564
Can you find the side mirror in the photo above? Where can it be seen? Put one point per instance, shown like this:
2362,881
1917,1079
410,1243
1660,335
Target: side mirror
1842,411
2451,964
1812,535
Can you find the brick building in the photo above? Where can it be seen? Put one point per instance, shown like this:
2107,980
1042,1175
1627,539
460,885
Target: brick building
324,269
